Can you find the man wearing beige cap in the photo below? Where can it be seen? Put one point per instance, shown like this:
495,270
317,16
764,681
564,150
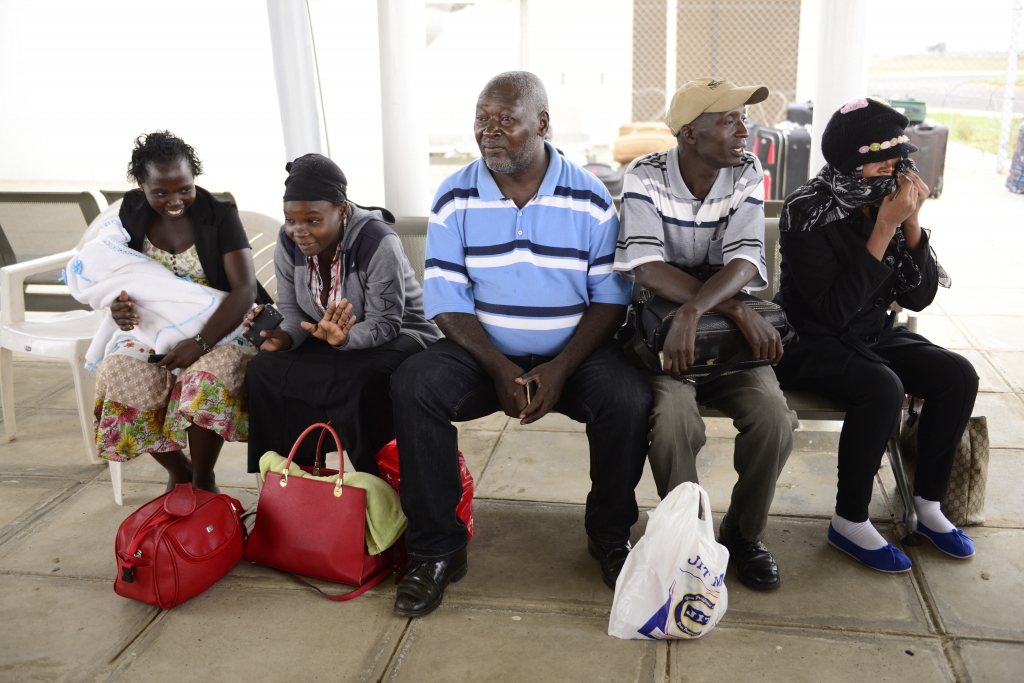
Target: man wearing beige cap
692,232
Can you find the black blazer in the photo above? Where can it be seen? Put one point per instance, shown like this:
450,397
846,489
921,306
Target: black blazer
837,295
216,230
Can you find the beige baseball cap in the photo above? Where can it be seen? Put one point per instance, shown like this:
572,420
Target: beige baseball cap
703,95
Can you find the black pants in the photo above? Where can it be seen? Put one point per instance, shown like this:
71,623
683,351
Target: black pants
874,395
317,383
444,384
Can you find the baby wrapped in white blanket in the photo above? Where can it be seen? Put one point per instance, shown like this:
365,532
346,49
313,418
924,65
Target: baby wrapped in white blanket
170,308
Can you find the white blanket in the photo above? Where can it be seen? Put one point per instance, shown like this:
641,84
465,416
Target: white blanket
170,308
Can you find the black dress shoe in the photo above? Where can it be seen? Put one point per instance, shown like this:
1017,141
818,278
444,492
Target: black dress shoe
611,558
421,591
755,566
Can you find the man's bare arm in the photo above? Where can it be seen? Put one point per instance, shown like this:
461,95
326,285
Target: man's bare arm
697,299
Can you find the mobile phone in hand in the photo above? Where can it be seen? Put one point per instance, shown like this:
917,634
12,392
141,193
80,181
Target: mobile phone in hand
268,319
156,357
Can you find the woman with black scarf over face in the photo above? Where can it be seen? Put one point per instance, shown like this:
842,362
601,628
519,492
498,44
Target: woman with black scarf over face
353,312
852,244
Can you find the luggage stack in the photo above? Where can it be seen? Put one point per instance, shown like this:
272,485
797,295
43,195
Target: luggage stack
610,177
644,137
1015,180
785,155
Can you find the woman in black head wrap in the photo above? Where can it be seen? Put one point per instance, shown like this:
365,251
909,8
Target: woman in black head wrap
353,311
852,244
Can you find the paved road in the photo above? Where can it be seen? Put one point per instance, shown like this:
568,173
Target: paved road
963,90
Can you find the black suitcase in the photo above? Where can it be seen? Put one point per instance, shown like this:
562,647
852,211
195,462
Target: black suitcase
801,113
798,158
770,148
785,155
931,138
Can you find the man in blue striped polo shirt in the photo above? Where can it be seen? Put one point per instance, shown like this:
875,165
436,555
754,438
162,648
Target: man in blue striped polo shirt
518,276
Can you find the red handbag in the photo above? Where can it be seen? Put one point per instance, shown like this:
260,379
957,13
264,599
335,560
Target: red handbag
176,546
316,528
387,463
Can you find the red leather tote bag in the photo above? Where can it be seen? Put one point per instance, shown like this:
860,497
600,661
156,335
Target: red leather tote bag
176,546
316,528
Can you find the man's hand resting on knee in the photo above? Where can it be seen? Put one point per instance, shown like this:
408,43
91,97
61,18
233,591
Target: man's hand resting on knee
597,326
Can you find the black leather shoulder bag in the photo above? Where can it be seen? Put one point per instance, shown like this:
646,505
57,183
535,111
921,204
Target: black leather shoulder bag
720,347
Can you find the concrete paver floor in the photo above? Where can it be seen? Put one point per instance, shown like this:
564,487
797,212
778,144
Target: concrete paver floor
533,607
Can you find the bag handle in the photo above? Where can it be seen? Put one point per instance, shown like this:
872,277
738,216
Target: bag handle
319,454
384,573
740,356
298,442
705,507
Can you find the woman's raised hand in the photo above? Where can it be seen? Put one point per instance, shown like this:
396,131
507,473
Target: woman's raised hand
336,324
123,312
900,205
896,208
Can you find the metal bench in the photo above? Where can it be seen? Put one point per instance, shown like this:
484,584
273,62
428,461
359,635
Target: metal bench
413,233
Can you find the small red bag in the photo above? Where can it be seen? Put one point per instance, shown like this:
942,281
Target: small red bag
317,528
387,462
176,546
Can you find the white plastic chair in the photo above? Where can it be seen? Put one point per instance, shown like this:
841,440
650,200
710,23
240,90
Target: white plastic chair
62,335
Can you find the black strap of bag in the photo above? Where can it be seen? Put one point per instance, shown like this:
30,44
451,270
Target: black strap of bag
645,345
652,362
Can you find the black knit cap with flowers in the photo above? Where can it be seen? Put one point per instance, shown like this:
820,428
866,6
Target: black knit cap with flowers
864,131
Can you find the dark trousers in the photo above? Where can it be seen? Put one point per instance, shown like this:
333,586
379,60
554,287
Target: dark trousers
317,383
874,395
444,385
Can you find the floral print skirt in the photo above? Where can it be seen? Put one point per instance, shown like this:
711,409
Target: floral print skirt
142,408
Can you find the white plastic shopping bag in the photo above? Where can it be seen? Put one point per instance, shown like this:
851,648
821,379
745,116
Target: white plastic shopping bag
673,582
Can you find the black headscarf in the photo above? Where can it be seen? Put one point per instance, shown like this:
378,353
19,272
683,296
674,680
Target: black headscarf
314,177
832,195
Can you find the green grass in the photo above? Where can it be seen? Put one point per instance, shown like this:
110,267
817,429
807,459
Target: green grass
980,132
935,63
1001,81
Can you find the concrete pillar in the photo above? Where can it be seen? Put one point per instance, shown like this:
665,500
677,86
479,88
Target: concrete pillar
524,35
295,74
842,64
402,35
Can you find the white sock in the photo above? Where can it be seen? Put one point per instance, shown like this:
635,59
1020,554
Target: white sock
859,533
929,514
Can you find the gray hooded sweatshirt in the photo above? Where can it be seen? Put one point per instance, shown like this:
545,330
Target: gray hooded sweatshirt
377,280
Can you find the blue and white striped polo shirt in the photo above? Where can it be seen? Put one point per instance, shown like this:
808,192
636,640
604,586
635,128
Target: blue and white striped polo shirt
527,274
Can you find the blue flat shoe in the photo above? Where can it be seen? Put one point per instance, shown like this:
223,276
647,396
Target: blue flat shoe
955,543
889,559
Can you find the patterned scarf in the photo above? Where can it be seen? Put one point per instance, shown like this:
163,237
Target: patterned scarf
833,195
316,283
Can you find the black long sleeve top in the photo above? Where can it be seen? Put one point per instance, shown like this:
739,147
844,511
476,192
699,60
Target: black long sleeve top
837,294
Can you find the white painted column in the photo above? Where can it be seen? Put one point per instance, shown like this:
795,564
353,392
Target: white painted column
842,64
402,36
295,74
671,36
807,51
524,35
1002,163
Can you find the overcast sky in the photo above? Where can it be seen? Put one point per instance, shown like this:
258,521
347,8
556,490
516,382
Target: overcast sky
964,25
